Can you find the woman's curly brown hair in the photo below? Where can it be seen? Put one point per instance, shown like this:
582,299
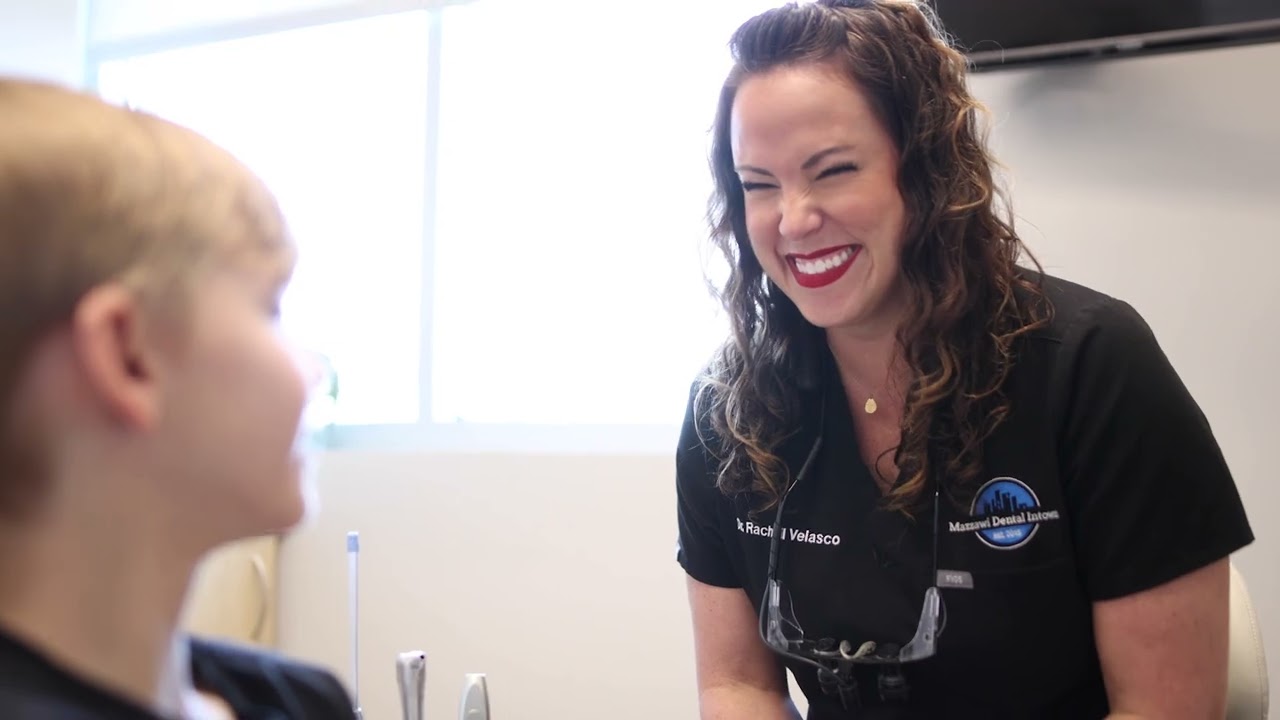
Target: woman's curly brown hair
968,302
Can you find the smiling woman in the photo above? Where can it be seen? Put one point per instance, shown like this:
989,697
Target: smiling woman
976,432
829,222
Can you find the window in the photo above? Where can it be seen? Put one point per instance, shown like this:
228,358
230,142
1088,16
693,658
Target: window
574,180
339,137
500,204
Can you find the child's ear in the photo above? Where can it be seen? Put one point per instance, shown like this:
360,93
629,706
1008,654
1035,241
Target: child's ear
117,349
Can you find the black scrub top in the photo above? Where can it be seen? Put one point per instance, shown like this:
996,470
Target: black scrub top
1104,481
258,685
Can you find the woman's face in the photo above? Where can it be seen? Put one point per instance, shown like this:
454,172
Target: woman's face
824,214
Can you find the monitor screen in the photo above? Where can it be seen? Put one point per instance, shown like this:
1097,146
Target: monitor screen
996,32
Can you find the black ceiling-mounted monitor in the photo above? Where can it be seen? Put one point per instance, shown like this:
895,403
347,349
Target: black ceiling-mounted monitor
1016,33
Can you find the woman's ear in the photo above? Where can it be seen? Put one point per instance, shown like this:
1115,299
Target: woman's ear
116,346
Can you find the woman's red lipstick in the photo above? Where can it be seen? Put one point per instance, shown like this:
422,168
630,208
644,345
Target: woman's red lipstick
821,268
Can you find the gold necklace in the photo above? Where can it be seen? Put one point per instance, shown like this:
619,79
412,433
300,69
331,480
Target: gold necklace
870,406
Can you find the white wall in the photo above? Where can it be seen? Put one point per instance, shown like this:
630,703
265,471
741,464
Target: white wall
1155,179
555,575
41,39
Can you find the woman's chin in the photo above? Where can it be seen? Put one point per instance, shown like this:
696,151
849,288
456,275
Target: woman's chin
826,316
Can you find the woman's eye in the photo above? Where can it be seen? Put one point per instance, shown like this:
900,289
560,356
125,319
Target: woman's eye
749,186
837,170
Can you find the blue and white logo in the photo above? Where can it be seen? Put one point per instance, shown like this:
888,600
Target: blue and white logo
1006,514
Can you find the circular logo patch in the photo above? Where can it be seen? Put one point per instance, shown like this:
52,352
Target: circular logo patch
1005,506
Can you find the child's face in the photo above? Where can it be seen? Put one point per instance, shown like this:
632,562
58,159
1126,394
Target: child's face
232,398
166,394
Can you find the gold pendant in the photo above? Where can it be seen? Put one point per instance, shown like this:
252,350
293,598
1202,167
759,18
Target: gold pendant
870,407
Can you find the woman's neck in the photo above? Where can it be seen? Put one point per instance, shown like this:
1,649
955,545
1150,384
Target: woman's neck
870,364
99,590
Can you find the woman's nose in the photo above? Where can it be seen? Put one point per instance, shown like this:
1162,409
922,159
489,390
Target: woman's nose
799,216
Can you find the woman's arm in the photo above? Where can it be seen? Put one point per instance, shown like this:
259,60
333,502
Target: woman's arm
1155,516
739,678
1164,650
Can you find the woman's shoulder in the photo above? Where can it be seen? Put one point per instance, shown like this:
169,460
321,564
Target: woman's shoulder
248,677
1084,319
698,445
1095,350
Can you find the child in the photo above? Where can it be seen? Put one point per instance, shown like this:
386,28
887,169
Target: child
148,413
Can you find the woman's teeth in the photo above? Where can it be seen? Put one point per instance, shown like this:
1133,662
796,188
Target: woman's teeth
823,264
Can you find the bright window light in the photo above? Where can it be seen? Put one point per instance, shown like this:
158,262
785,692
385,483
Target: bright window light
538,182
333,118
571,229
